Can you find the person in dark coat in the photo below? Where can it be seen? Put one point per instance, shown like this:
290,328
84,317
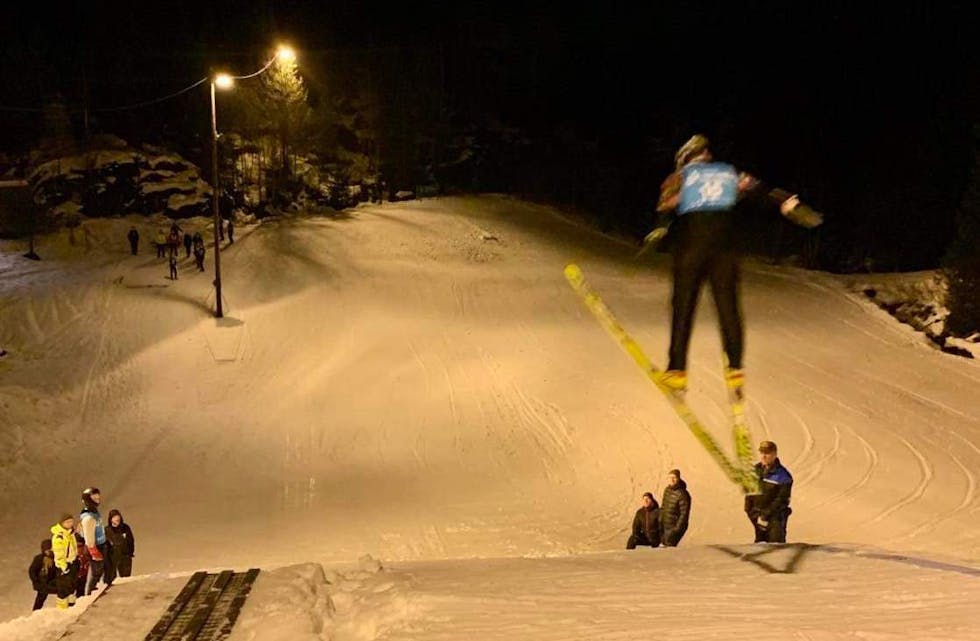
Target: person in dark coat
231,231
122,547
199,251
675,509
173,266
646,524
769,510
188,241
134,239
44,575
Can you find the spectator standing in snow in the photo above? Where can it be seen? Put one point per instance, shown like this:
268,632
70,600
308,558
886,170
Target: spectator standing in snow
134,240
231,231
161,243
188,241
122,547
646,524
769,510
44,575
199,251
173,266
675,509
84,562
65,552
93,531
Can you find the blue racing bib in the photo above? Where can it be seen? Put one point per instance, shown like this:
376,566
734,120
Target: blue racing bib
708,186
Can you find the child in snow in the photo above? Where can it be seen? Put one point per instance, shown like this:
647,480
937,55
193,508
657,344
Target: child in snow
44,575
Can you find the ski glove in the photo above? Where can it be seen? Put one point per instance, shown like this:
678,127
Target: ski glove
655,236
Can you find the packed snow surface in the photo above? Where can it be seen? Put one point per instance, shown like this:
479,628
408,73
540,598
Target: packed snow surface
416,381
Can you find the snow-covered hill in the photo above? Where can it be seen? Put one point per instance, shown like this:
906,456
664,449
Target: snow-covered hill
416,381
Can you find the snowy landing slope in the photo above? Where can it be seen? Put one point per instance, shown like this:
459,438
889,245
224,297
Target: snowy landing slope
416,381
692,593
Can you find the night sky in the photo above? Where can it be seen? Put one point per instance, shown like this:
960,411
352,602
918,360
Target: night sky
867,112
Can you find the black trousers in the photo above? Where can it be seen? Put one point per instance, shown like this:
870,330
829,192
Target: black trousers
66,582
704,250
672,538
117,564
42,595
640,539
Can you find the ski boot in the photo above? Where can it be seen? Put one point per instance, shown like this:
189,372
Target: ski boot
674,380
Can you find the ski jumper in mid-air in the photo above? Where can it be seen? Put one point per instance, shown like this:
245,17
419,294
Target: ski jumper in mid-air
696,203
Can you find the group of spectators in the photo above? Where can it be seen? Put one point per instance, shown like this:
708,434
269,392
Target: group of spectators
81,552
768,509
168,245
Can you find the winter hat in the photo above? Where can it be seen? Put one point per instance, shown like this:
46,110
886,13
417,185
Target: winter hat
676,473
648,494
45,545
65,516
87,497
689,149
767,447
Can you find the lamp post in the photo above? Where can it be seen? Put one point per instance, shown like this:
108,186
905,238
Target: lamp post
223,81
226,81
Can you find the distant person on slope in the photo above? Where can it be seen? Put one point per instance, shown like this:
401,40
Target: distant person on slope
161,243
646,524
122,547
134,239
231,231
199,251
188,241
769,510
93,532
675,509
696,203
65,552
173,266
44,575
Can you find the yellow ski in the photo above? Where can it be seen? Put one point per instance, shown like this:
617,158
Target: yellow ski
741,475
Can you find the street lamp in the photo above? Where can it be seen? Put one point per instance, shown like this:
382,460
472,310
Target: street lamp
222,81
284,53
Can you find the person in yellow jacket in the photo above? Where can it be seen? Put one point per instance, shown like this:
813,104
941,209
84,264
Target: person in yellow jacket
65,551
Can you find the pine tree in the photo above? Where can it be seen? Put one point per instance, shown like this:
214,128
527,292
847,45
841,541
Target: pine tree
283,106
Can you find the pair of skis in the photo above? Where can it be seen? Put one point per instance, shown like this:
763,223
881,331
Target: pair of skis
739,471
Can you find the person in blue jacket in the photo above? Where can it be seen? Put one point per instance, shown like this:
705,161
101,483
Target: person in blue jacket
769,510
93,532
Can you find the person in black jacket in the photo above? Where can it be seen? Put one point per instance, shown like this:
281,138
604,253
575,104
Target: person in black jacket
44,575
134,239
769,510
188,241
646,524
122,547
675,509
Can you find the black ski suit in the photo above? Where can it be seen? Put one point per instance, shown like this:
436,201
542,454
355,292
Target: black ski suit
704,249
